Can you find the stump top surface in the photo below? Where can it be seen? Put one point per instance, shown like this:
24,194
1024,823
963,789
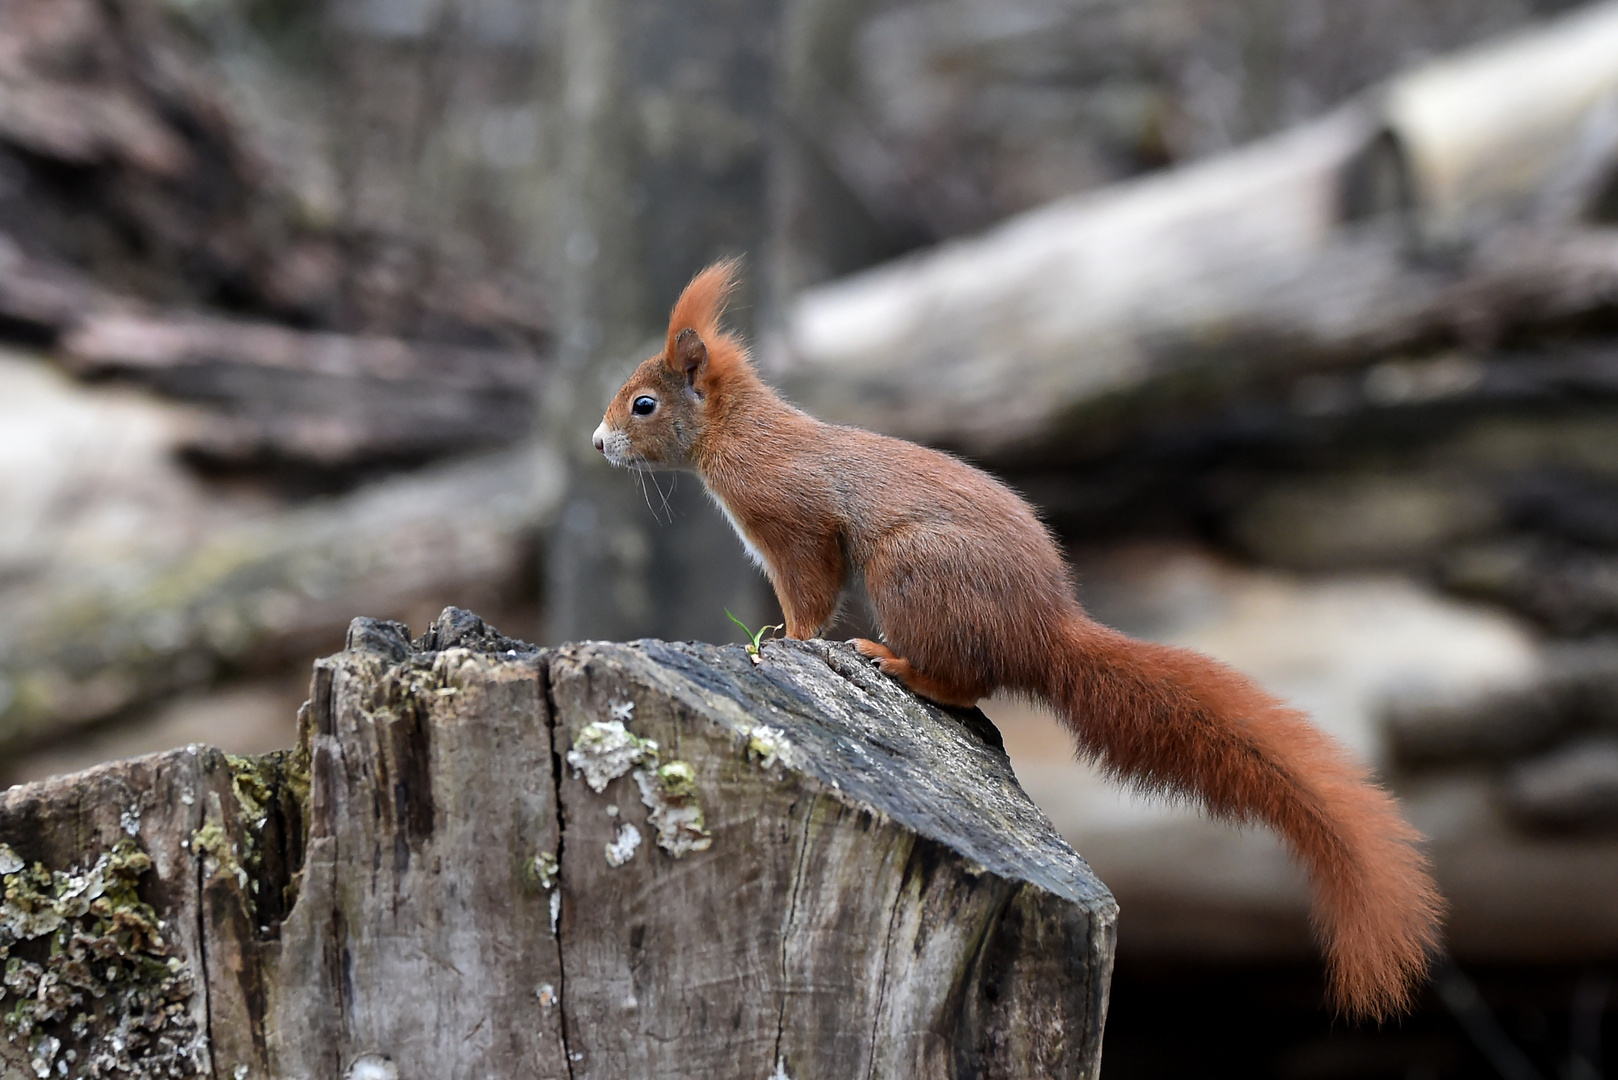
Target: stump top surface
942,773
820,709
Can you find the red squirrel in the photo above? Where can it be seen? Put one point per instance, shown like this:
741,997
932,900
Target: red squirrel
973,596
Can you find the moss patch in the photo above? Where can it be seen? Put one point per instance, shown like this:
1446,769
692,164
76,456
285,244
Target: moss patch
541,871
605,750
670,793
91,988
260,845
213,845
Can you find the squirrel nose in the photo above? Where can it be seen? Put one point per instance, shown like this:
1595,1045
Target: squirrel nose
600,438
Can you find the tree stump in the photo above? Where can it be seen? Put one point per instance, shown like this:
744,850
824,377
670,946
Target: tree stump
602,860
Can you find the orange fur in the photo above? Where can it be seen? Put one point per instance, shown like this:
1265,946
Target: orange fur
703,303
973,596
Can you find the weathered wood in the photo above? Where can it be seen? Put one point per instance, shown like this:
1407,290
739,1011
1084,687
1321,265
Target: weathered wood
904,911
126,928
648,860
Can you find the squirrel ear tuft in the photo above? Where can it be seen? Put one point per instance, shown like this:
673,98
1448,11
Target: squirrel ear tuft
689,355
698,346
703,302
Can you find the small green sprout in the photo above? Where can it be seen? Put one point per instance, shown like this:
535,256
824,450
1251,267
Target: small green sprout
753,639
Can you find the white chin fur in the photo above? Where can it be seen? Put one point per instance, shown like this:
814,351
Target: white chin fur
615,446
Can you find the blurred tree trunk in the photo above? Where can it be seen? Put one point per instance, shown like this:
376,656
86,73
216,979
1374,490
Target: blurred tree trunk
669,109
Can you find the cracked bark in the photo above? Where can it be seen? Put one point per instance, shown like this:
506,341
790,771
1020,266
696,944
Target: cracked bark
875,896
561,841
787,927
202,946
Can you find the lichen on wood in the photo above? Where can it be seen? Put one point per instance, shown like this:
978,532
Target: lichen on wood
91,988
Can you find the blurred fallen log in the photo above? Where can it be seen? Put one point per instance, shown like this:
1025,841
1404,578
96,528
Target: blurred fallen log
85,651
1570,588
1041,337
40,297
1548,744
1489,132
1572,789
655,860
323,400
278,396
1333,246
125,164
1573,697
137,211
121,343
107,110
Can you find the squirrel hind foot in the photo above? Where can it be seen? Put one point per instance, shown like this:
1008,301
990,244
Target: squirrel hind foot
872,650
897,667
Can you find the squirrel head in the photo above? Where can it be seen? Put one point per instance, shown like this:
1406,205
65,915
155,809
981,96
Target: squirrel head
659,416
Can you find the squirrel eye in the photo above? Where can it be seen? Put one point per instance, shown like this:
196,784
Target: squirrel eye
643,406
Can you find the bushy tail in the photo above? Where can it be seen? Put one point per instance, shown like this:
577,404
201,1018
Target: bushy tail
1174,721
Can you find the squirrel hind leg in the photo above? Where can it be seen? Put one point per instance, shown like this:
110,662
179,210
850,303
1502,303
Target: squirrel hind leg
933,689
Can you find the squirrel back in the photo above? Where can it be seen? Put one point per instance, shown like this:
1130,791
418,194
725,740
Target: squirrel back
973,596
